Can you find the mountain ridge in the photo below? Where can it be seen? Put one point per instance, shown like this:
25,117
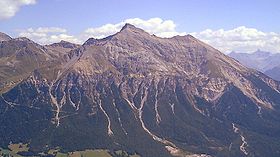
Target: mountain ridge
4,37
140,93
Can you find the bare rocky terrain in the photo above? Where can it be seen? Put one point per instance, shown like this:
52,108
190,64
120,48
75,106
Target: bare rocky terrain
139,93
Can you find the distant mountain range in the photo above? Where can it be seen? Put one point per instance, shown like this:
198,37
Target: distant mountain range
136,92
266,62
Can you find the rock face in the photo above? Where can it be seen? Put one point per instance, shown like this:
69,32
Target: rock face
140,93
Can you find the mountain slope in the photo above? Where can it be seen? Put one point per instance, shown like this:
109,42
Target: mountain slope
4,37
20,57
140,93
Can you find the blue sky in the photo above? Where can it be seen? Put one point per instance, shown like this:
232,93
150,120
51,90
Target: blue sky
189,16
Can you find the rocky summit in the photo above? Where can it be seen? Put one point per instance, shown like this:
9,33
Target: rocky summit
4,37
139,93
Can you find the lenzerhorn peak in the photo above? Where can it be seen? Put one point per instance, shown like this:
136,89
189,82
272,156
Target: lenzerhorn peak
128,26
126,30
129,31
140,93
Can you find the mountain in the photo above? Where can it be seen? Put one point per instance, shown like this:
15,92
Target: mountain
4,37
139,93
20,57
274,72
263,61
61,48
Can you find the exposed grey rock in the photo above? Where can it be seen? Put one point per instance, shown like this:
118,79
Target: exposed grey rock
140,93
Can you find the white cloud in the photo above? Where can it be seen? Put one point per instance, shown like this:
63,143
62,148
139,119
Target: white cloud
241,39
9,8
47,35
157,26
103,31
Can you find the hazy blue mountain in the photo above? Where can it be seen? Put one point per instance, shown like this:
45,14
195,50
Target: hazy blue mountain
265,62
274,73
